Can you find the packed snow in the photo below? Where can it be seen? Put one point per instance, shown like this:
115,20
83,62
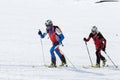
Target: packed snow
21,53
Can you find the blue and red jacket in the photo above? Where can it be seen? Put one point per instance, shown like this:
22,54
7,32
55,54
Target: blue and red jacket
55,34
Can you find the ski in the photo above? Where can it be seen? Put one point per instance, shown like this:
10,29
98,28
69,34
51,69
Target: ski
90,67
48,66
86,67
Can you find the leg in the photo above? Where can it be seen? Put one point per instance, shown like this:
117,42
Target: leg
103,59
98,58
53,58
62,58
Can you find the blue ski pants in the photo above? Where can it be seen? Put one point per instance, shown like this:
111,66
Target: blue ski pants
55,49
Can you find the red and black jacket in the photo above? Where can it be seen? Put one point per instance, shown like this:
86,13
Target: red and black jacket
98,39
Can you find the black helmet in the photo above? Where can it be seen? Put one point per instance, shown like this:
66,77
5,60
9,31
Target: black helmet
48,23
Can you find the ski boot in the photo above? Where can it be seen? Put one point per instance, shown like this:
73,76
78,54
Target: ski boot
97,66
63,64
52,65
63,61
104,62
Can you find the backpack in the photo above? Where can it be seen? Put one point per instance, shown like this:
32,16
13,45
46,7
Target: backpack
56,27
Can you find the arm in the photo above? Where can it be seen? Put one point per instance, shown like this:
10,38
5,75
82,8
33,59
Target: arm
60,35
61,38
87,39
103,41
104,44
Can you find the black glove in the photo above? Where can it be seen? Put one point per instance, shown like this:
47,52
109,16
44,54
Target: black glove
84,39
56,43
39,32
104,47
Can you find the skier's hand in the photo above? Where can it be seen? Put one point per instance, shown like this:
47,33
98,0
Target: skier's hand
84,39
39,32
56,43
104,48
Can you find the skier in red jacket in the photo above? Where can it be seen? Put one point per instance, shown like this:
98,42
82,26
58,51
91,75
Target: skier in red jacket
100,44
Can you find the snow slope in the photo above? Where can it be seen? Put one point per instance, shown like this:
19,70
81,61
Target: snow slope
21,56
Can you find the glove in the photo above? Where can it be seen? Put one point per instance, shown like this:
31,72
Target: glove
39,32
84,39
56,43
104,47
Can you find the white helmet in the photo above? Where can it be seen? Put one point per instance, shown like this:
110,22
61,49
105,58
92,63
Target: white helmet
48,23
94,29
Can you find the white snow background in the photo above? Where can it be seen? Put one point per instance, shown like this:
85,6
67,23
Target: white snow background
21,56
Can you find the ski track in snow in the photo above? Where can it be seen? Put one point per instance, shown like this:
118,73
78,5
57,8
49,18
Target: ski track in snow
36,72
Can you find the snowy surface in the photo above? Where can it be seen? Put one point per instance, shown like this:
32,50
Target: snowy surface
21,56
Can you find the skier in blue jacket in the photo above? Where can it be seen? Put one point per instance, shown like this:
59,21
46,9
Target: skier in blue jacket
56,36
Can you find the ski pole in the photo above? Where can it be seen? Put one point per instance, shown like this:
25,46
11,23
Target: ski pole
111,60
42,51
69,60
89,54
